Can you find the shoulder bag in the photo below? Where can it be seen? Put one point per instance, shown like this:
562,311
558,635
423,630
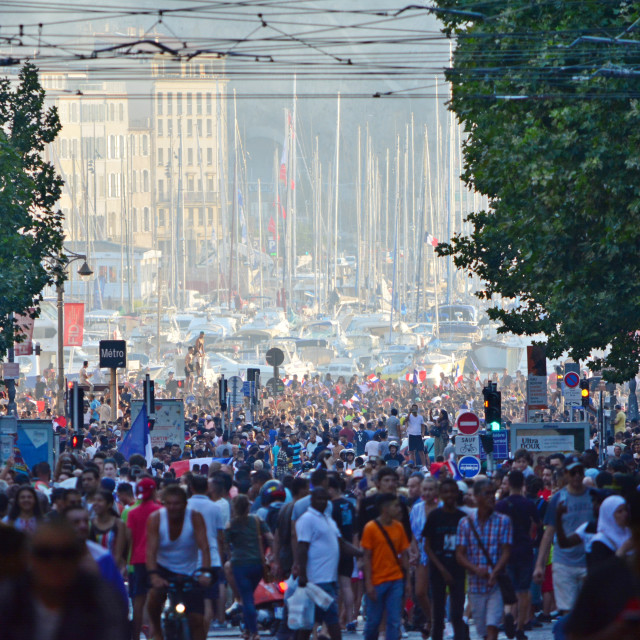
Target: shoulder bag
504,581
393,549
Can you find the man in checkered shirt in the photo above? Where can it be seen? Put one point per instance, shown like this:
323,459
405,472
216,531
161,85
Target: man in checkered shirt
495,531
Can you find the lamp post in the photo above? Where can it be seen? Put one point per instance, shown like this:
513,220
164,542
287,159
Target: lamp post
84,272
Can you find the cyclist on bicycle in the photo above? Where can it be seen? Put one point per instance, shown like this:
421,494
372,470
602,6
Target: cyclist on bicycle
175,534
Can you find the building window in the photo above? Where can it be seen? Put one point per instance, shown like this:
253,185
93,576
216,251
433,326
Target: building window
210,215
134,181
64,148
161,220
209,104
179,103
147,222
209,127
199,128
160,128
189,104
74,112
145,145
198,104
209,182
121,112
121,148
190,218
209,156
161,186
169,103
160,155
170,127
134,216
112,112
201,217
190,182
190,157
190,128
145,181
159,104
114,185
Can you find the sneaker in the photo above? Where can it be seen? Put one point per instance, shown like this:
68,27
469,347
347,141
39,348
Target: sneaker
509,626
404,632
351,627
520,635
543,617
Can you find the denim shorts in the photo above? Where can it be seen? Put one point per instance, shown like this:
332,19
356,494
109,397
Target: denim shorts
330,615
521,574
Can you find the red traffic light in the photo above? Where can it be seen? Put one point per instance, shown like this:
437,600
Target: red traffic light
76,441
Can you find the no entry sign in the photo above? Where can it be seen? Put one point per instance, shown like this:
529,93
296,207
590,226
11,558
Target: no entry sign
468,423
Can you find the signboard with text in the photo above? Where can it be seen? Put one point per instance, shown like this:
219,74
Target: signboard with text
113,354
73,324
550,437
169,421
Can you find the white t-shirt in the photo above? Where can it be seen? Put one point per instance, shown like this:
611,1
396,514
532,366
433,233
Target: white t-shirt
321,532
225,509
214,521
415,425
372,448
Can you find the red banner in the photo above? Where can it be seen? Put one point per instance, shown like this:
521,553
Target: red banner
73,324
25,326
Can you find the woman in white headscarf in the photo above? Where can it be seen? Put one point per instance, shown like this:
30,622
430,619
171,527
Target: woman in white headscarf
613,531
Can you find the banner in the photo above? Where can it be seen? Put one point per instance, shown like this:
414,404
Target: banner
537,379
25,326
73,324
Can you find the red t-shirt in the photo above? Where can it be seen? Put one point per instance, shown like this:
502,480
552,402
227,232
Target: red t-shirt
137,522
348,433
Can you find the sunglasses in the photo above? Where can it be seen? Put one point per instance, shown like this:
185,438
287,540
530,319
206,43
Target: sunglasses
56,553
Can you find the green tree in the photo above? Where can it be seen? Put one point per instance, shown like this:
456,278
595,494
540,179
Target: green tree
31,232
549,102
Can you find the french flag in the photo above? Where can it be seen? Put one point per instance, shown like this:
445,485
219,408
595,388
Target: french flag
354,398
458,376
373,378
475,368
429,239
287,382
453,467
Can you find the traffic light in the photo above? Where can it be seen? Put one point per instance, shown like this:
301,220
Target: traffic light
222,393
584,386
77,407
149,396
559,377
76,441
151,423
492,407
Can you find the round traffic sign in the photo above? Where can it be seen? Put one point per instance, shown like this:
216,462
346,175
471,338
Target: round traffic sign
276,387
572,379
468,423
275,357
469,466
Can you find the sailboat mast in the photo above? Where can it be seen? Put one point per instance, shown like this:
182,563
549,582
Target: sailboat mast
336,194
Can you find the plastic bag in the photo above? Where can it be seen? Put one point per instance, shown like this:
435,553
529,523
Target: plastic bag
301,610
319,596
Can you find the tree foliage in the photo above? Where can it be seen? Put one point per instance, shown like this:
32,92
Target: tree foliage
31,232
552,118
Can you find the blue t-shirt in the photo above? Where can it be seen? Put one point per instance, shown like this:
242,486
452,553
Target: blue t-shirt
361,438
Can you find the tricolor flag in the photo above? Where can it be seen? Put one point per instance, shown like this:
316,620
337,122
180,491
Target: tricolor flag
459,376
182,466
417,377
287,382
453,467
355,398
137,439
373,378
475,368
429,239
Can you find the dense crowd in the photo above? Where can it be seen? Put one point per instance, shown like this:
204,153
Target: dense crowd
350,487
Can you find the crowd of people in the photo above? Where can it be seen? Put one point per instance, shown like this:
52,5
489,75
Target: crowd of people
346,485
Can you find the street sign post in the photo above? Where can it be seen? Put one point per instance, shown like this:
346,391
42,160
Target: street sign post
113,356
234,386
275,357
469,466
468,423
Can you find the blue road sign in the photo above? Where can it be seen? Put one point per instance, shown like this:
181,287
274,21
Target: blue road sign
500,445
247,388
469,466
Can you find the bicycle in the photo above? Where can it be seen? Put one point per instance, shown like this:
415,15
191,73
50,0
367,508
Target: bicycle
175,622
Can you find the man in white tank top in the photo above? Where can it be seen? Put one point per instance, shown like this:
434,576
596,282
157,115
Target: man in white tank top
175,534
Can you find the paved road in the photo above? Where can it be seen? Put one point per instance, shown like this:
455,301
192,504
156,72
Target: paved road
542,633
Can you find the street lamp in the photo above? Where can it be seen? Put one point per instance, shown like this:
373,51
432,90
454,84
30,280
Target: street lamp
84,272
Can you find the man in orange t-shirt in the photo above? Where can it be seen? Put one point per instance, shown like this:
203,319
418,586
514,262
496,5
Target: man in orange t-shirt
386,568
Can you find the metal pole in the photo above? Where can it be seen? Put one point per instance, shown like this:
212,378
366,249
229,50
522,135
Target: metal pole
114,394
60,305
